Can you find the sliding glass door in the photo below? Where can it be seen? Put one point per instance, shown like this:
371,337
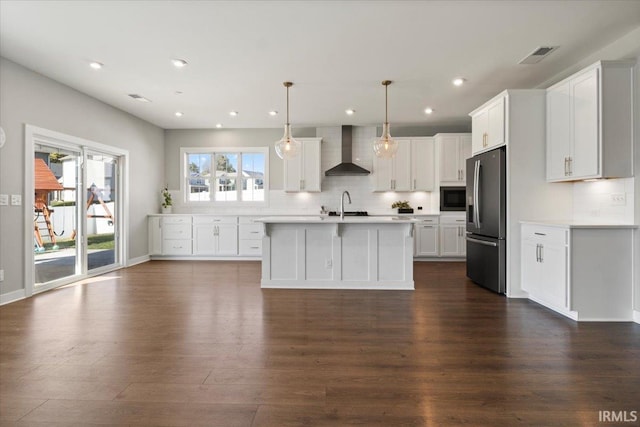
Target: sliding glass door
77,212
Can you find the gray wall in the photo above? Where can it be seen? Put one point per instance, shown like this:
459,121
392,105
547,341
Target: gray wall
30,98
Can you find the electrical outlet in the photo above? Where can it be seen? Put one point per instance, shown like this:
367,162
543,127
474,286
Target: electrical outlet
16,200
328,263
618,199
4,199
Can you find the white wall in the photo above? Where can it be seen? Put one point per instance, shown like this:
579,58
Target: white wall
30,98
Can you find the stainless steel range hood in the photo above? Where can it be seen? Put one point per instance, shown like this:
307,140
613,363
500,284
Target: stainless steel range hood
347,167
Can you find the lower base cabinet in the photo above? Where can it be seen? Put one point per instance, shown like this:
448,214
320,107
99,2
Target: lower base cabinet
442,237
585,273
425,237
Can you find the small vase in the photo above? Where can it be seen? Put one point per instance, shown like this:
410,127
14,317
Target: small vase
166,210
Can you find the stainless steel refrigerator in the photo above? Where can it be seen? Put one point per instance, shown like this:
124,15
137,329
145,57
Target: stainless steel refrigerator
487,219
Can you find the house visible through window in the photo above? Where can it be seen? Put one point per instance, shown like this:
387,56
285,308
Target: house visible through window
225,175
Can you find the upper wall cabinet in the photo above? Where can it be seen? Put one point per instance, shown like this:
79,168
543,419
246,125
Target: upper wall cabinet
488,125
454,149
302,173
411,169
590,123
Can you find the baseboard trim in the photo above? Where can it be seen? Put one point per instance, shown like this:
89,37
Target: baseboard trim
636,316
438,259
326,284
139,260
14,296
204,258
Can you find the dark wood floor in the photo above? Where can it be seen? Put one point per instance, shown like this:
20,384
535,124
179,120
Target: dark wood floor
199,343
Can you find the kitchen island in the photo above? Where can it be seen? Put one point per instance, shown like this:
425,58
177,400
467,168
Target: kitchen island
324,252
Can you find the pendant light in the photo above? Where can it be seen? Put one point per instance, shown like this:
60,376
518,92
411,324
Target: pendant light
287,147
386,146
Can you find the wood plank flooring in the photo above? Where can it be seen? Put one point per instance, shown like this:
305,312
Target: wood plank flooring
200,344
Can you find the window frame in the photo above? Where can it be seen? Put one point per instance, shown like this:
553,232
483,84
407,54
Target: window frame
213,151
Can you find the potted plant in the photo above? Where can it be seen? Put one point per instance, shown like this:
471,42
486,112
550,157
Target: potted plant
167,202
403,206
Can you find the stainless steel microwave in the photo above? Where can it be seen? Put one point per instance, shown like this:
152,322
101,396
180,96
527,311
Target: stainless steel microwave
452,198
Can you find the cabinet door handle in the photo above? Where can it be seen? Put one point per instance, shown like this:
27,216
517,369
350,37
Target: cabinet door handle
570,166
414,184
537,252
391,184
541,253
566,166
539,234
255,247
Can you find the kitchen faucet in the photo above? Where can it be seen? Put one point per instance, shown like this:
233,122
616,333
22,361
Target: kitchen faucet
342,203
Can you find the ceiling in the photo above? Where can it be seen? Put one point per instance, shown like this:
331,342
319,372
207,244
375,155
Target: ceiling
336,53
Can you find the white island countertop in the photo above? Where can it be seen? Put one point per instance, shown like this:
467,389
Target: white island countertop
576,224
325,219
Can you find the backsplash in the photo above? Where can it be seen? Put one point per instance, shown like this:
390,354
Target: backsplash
608,200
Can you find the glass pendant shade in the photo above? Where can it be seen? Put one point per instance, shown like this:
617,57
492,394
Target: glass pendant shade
287,147
385,147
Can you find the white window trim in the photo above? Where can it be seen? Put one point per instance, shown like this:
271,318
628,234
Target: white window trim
236,150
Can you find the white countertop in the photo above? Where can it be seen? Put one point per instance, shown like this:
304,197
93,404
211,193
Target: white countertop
576,224
324,219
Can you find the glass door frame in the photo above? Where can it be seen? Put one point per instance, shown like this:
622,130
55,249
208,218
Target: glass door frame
35,135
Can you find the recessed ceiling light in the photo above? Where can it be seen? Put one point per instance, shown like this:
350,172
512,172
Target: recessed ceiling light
350,112
219,125
96,65
273,113
428,110
179,63
179,114
459,81
139,97
233,113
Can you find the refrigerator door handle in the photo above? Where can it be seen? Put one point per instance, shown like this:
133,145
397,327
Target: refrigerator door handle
476,194
481,242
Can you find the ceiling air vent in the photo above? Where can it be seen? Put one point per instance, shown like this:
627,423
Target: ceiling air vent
538,54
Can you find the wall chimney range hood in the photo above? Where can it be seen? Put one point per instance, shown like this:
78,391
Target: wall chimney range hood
347,167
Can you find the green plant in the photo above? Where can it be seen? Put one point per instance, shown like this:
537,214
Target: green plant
166,196
401,205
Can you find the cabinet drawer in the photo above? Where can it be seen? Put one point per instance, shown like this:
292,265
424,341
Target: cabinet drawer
215,219
453,220
545,234
248,219
251,247
176,231
250,231
176,247
184,219
427,220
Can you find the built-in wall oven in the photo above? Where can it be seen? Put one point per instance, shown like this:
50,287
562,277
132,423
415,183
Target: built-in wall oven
453,198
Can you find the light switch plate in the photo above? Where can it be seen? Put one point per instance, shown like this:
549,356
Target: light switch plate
16,200
4,199
618,199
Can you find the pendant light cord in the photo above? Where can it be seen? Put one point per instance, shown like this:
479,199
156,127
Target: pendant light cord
386,104
287,105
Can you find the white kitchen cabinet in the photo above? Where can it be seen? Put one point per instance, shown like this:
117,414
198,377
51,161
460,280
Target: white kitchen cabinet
250,234
215,235
426,237
582,272
176,235
453,236
488,125
423,159
454,149
590,123
303,172
544,266
411,169
394,174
